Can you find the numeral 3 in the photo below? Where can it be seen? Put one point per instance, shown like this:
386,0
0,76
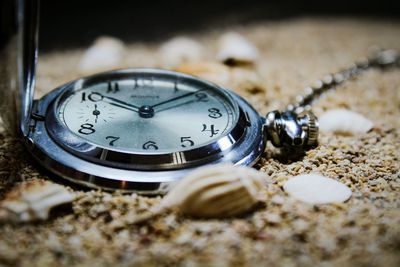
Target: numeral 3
214,113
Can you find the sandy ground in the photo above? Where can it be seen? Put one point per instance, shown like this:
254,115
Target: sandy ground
364,231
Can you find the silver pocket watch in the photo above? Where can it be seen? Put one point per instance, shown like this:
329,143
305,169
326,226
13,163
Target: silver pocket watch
143,129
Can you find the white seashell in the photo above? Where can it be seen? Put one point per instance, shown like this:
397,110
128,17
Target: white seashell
33,200
105,53
344,121
216,191
236,49
213,72
317,189
179,50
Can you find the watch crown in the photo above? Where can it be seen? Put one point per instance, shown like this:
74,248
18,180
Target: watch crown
290,129
311,128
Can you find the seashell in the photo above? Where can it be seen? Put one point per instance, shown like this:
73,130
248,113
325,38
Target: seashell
317,189
213,72
33,200
179,50
105,53
234,49
344,121
215,191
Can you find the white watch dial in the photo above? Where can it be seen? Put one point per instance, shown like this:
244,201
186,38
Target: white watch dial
147,116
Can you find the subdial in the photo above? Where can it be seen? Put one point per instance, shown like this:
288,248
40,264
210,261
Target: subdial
96,113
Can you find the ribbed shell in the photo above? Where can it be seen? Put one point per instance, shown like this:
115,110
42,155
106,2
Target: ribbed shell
33,200
216,191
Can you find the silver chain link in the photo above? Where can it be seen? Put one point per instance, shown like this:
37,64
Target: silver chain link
381,59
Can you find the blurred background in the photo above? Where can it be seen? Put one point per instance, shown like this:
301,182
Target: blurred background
76,23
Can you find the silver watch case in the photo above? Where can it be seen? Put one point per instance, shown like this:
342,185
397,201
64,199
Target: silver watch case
48,142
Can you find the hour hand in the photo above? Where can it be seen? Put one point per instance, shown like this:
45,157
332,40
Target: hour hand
116,102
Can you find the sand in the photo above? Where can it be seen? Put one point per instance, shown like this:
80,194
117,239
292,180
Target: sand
364,231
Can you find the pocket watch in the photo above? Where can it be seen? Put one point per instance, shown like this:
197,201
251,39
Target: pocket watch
143,129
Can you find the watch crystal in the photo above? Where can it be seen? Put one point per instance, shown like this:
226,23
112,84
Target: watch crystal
147,115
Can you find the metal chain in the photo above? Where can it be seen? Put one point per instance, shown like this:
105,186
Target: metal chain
382,59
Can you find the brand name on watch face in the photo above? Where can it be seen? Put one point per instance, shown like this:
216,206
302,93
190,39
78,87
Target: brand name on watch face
164,117
145,96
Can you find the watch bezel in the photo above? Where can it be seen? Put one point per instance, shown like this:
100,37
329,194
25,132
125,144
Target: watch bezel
143,160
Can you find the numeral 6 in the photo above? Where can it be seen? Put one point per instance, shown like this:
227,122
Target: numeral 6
150,145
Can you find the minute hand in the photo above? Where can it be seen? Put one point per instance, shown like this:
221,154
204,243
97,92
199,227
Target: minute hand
121,102
175,98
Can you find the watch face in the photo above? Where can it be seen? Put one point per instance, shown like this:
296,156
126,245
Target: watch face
141,129
147,113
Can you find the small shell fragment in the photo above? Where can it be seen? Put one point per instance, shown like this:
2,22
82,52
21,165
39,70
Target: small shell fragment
216,191
33,200
317,189
344,121
106,53
234,49
179,50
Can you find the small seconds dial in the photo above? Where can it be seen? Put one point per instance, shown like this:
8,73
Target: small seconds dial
143,115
